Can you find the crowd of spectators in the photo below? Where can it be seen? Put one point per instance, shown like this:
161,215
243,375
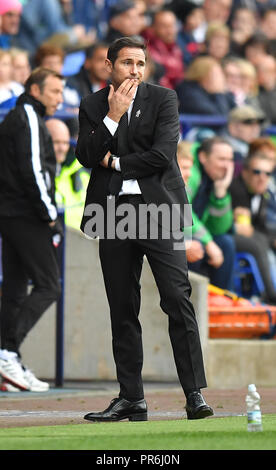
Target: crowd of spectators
220,58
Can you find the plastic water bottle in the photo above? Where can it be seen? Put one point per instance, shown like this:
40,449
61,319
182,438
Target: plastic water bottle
254,416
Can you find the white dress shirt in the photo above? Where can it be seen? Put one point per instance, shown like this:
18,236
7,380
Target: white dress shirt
129,186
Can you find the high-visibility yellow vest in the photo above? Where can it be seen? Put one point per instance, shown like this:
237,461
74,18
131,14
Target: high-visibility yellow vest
71,185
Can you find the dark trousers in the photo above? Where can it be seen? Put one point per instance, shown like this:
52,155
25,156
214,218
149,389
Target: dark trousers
121,262
27,255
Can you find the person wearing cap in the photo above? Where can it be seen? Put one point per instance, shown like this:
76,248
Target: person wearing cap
123,21
10,15
244,125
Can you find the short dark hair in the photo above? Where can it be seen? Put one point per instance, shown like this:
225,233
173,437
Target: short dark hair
207,144
90,50
135,42
257,39
38,76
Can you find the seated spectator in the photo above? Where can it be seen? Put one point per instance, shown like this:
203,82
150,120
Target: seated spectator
9,89
233,79
268,23
21,68
217,41
217,10
260,6
266,73
244,126
93,75
214,10
249,201
255,48
243,26
152,6
87,33
92,16
266,146
10,14
153,71
190,16
52,57
249,83
203,89
208,193
71,178
141,8
43,21
124,20
162,46
185,159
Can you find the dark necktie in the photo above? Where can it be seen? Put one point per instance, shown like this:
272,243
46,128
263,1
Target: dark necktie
116,180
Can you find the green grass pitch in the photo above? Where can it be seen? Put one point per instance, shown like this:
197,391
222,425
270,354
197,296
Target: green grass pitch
226,433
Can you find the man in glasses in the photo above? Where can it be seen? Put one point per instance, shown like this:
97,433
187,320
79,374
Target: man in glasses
244,126
249,200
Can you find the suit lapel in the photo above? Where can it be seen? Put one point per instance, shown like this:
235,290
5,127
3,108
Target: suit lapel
138,109
105,105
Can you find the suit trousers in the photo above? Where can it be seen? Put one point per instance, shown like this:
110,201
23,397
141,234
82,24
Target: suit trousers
121,261
28,255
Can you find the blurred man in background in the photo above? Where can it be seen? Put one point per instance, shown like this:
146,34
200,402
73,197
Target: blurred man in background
28,222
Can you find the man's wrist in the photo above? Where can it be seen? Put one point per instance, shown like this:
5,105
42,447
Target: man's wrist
110,162
113,162
114,117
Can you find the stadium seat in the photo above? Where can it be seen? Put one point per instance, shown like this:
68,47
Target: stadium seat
247,279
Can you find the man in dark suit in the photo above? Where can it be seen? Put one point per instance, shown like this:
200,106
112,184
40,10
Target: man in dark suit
128,136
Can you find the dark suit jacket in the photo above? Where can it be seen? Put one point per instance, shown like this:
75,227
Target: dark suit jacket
80,82
153,134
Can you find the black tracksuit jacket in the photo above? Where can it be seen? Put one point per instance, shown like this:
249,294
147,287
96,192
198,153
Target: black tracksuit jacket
27,163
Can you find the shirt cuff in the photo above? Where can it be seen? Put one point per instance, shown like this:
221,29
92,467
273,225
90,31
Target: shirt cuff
117,164
110,124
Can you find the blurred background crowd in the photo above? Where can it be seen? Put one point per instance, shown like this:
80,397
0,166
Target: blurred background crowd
220,58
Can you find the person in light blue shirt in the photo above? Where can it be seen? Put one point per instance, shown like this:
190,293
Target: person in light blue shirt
40,20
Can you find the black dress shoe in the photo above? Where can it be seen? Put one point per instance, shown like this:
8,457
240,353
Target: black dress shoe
120,408
196,407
